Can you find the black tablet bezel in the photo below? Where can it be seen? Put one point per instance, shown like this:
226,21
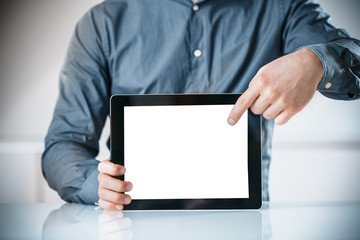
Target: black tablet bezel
117,104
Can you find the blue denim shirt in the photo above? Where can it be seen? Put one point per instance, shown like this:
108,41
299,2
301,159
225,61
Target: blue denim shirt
148,47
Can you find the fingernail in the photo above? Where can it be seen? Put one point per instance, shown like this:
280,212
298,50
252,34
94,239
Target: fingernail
118,207
129,187
231,121
122,171
127,199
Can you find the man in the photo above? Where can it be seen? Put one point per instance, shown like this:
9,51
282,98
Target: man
276,52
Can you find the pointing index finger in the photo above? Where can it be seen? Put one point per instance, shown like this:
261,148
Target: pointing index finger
241,105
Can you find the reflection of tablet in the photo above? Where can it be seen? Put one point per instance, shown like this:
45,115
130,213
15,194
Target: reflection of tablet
180,152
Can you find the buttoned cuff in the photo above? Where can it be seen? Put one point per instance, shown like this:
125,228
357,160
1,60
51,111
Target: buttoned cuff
333,83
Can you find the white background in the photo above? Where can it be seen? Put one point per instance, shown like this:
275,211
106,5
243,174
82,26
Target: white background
185,152
315,155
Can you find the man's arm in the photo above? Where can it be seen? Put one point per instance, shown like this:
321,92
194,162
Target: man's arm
328,60
71,144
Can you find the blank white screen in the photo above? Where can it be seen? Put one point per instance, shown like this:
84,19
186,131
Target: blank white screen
185,152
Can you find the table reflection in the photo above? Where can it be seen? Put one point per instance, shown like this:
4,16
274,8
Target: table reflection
288,221
73,221
113,225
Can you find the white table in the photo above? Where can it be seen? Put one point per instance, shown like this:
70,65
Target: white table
273,221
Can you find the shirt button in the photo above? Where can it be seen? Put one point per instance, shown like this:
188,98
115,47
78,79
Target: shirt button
197,53
195,7
328,85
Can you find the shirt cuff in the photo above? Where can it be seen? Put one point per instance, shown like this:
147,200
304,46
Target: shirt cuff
332,83
331,66
89,192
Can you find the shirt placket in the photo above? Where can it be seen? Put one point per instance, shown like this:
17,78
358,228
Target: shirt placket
196,47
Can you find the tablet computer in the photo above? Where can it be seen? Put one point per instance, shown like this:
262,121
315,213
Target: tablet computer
180,152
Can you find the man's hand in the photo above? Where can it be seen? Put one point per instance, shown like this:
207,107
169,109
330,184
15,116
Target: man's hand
281,88
111,190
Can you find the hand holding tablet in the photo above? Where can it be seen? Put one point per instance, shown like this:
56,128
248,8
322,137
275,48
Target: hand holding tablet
183,145
111,190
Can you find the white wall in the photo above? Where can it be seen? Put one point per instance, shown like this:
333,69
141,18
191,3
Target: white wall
34,39
316,155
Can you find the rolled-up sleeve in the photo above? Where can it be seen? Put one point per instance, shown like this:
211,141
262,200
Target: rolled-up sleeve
71,144
308,26
341,64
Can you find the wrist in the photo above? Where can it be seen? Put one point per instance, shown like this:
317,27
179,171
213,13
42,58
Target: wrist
311,58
